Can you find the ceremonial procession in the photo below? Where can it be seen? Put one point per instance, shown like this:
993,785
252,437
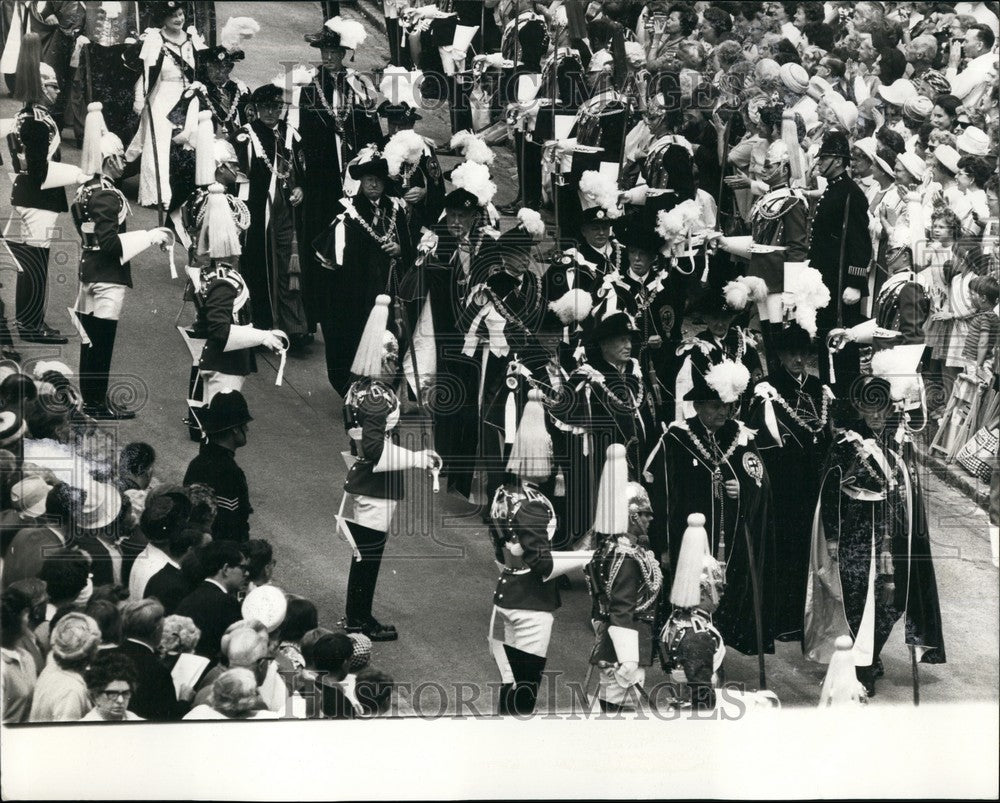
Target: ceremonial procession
591,358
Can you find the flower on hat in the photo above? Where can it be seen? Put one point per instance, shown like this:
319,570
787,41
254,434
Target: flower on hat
236,31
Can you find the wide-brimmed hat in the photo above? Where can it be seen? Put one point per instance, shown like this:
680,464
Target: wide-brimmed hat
898,92
338,32
266,604
973,141
612,323
914,165
725,381
595,214
793,338
461,199
869,147
643,238
102,502
29,495
373,165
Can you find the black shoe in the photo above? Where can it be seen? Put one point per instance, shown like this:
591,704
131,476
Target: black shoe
374,629
107,412
879,669
866,675
10,353
42,334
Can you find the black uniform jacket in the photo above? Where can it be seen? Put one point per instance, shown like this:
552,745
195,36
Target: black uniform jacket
99,214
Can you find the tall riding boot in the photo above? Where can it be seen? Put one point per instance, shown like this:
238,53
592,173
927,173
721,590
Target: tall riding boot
527,670
86,372
361,582
32,284
103,336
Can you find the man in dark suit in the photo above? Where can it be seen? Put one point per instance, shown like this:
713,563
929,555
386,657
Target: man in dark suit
169,585
840,246
154,698
213,605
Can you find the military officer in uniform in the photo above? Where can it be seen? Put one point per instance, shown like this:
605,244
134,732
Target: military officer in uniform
522,525
625,581
840,245
779,236
99,212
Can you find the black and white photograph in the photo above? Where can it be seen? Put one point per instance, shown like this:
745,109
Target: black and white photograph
499,399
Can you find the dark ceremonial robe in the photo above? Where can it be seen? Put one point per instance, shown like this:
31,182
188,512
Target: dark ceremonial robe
266,262
360,271
602,406
656,304
684,482
337,119
793,465
893,522
438,290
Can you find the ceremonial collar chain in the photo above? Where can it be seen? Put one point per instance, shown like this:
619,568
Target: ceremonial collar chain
505,313
338,114
272,165
390,232
634,403
793,414
703,450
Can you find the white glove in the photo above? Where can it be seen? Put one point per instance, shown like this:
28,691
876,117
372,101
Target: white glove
625,673
429,459
851,295
274,340
159,236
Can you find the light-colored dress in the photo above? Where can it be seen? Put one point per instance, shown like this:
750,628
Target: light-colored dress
163,96
963,308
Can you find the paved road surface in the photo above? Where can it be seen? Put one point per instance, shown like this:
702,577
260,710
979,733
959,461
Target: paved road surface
438,575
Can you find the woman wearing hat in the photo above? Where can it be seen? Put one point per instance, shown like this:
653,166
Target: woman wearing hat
870,561
709,464
61,692
337,119
367,248
167,65
38,195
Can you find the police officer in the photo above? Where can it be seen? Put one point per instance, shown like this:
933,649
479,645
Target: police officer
224,423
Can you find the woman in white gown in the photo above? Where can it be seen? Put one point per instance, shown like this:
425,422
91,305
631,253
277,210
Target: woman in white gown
167,63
